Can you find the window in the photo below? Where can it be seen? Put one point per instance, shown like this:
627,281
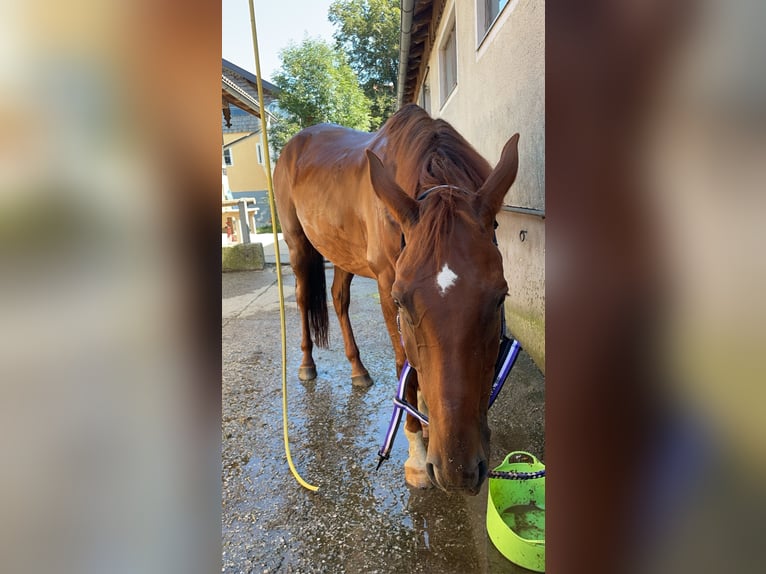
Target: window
487,12
493,9
424,101
448,61
227,157
259,151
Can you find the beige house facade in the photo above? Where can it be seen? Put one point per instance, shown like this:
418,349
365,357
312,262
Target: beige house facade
244,174
480,64
243,153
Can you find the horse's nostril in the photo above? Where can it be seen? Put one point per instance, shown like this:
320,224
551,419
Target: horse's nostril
483,471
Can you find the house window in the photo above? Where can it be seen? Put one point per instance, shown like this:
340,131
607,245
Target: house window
425,94
487,12
227,157
259,151
493,9
448,61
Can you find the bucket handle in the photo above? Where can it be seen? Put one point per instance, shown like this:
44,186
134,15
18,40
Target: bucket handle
520,456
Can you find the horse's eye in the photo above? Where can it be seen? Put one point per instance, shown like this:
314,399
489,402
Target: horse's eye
397,303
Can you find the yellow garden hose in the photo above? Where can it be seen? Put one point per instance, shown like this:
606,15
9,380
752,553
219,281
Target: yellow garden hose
270,184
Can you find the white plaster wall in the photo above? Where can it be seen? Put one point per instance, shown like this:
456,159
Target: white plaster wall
500,91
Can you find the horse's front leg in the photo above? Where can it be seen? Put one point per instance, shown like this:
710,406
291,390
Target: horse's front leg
415,473
341,297
415,466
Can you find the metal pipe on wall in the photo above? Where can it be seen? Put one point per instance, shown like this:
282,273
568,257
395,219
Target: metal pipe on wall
405,30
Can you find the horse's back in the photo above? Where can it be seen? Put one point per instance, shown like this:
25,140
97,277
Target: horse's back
324,151
322,185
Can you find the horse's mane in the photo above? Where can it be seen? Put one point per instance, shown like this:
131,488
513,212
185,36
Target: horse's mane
426,152
429,152
438,214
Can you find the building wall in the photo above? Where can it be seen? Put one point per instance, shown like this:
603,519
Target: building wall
500,91
245,173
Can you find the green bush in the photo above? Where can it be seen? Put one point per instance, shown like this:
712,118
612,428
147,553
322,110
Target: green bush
268,228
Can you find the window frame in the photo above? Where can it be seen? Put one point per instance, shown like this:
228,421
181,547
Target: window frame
484,25
448,53
425,93
259,153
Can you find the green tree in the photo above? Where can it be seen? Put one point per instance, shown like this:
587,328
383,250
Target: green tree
318,85
367,31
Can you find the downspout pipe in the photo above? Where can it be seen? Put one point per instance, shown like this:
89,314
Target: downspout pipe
405,31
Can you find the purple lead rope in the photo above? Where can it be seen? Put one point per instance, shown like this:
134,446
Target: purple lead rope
509,352
396,416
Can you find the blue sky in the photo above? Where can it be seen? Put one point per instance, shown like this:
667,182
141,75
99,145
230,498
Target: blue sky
278,22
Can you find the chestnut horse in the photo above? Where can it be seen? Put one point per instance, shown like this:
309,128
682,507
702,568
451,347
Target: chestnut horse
412,206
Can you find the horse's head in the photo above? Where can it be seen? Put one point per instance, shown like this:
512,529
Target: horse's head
449,290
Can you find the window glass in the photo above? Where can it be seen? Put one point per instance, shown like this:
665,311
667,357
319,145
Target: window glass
492,9
448,61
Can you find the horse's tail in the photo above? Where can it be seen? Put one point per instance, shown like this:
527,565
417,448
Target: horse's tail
316,286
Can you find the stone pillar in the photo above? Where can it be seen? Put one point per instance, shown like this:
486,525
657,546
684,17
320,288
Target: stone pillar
243,221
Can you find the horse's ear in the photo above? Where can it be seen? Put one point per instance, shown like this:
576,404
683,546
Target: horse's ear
491,194
401,206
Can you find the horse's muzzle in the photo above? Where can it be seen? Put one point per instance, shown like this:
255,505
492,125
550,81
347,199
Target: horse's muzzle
460,478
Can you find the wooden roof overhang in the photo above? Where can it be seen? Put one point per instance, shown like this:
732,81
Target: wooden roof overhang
426,16
232,94
239,88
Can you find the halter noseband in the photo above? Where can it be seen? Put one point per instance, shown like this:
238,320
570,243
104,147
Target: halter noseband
425,193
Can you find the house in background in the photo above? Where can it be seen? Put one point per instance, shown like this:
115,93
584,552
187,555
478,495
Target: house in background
243,164
480,65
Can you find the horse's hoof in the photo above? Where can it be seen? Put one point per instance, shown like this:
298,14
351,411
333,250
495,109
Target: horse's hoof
307,373
416,477
362,381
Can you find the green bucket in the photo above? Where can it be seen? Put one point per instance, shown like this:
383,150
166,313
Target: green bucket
516,513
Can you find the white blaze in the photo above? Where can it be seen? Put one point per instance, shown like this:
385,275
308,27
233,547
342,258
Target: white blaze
445,279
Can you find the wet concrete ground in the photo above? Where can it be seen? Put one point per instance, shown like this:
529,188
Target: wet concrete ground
360,520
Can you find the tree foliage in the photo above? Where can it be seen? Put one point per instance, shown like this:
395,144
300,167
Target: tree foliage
317,85
367,31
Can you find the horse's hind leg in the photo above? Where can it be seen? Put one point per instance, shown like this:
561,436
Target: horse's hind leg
311,296
341,297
